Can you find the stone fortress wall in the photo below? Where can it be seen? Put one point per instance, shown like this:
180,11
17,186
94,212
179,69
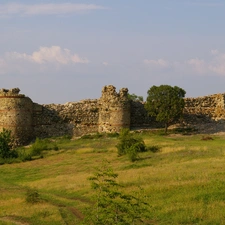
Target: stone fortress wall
110,113
16,114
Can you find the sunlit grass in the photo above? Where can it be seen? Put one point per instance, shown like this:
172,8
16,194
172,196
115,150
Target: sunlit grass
184,180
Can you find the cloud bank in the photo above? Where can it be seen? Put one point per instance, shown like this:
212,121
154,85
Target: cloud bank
13,9
216,65
54,54
47,56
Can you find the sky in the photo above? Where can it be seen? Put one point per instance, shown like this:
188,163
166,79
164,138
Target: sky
64,51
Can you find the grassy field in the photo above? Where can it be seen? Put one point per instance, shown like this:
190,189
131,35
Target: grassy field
184,180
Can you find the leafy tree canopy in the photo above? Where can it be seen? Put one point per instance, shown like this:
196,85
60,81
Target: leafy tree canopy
165,103
135,98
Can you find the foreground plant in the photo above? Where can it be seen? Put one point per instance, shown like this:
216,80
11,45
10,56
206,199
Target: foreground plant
112,205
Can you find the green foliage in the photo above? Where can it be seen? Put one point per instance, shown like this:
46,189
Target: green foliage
23,154
32,196
6,148
112,206
92,136
154,148
111,135
130,145
135,98
186,130
42,144
165,103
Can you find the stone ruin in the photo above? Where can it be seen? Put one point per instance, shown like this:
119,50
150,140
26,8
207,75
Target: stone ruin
114,110
111,112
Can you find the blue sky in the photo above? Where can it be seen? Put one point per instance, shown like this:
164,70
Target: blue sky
61,51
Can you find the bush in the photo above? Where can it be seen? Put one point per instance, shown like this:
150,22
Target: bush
23,155
42,144
130,145
32,196
154,148
6,145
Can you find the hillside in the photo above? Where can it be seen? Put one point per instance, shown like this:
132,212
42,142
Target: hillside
183,180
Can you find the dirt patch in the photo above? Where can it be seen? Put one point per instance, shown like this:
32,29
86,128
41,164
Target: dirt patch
76,213
13,219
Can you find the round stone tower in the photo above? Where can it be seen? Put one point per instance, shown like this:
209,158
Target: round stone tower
16,112
114,110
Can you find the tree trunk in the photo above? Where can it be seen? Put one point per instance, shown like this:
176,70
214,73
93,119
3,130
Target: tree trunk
166,128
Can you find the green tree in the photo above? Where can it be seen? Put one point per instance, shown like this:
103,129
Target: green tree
6,147
165,103
134,97
112,206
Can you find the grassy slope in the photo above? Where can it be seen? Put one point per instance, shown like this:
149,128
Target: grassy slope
184,181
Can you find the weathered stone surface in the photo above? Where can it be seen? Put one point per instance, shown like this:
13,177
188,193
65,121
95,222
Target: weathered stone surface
114,110
16,112
110,113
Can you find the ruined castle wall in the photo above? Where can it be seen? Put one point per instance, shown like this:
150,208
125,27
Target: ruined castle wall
114,109
16,115
209,107
110,113
73,118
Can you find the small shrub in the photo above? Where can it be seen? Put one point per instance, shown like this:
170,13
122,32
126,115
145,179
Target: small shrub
42,144
6,145
132,152
206,138
23,155
32,196
130,145
153,148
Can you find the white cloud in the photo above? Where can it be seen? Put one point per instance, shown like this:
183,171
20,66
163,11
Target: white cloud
161,63
214,51
105,63
218,64
45,9
45,59
213,66
54,54
198,65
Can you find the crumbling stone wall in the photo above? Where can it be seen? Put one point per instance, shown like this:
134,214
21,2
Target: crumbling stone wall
72,118
206,113
16,112
211,106
110,113
114,110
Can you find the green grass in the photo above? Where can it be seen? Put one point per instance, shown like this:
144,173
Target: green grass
184,179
